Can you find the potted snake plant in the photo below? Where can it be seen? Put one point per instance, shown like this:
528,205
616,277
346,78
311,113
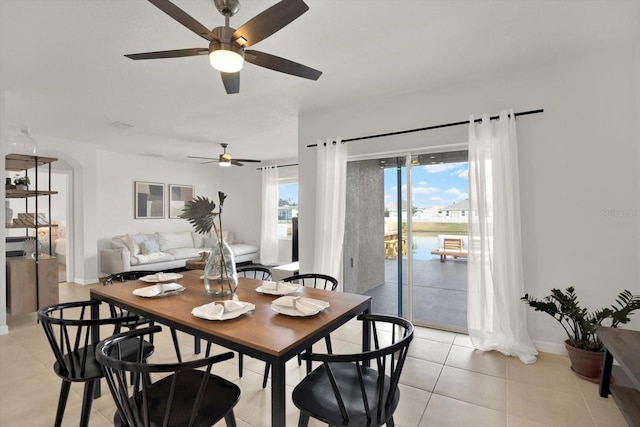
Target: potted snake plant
585,350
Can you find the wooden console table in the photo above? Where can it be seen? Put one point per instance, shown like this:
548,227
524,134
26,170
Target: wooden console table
22,295
624,346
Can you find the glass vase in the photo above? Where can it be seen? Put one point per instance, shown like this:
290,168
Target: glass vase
220,276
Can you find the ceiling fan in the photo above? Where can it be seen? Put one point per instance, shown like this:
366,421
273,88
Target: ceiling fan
227,46
225,158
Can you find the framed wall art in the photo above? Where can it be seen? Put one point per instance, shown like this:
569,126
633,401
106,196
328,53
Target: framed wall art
178,196
149,200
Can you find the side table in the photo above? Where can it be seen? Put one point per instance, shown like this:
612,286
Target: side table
280,272
624,346
195,264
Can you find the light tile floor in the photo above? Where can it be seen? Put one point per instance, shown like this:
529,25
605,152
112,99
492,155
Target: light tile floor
445,383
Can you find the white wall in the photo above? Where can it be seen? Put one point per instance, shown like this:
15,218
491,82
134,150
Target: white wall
103,185
115,186
580,158
3,279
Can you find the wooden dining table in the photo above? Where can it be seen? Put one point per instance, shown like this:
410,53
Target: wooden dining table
262,333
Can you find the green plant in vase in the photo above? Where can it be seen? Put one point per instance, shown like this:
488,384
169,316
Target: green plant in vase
22,181
220,277
583,345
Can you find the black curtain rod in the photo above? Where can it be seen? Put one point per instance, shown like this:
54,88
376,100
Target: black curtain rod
279,166
446,125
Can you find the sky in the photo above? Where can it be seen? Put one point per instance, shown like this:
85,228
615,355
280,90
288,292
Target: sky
289,191
434,186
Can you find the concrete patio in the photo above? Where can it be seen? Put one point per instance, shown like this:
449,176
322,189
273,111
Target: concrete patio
439,293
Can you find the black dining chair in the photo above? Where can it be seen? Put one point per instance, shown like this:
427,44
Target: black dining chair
116,311
253,272
358,389
313,280
69,328
181,394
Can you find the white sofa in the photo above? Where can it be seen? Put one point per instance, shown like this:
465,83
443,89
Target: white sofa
165,250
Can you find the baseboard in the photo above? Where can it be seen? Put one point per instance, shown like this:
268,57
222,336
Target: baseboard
551,347
4,330
85,282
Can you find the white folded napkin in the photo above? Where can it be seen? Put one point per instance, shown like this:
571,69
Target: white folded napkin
215,310
160,288
301,304
282,287
160,276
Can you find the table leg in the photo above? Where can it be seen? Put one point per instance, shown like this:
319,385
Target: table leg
605,374
366,335
278,391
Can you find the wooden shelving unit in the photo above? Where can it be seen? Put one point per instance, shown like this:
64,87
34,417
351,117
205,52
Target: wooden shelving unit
31,283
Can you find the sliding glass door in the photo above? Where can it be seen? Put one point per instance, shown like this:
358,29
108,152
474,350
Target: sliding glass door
399,210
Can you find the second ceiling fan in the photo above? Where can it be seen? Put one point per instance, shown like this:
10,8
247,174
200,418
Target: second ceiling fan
227,46
225,158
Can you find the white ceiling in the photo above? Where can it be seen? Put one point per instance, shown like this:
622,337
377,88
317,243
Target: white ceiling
64,74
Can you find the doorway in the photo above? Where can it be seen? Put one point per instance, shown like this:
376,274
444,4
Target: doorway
399,209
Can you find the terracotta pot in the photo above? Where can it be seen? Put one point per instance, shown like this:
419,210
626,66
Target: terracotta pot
585,363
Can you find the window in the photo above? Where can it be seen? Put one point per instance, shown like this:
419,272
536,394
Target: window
287,207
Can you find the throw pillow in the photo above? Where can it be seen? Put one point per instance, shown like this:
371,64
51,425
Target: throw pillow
132,246
149,247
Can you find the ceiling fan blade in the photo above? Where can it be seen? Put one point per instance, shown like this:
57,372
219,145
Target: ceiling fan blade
205,158
184,18
231,82
280,64
269,21
177,53
210,161
248,160
236,162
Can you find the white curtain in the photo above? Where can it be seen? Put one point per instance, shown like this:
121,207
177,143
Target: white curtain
331,185
496,315
269,227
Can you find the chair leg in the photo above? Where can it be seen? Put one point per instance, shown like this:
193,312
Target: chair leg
196,345
230,419
303,421
87,401
327,340
208,351
240,358
308,362
151,323
62,402
174,336
267,368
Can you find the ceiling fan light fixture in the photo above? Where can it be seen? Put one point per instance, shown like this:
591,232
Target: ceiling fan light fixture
226,58
224,163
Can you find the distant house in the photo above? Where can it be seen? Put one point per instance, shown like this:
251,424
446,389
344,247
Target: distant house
456,212
392,209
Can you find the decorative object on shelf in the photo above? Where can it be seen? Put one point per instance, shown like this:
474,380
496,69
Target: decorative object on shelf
32,247
220,276
149,200
7,183
585,349
22,182
29,220
8,212
179,195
